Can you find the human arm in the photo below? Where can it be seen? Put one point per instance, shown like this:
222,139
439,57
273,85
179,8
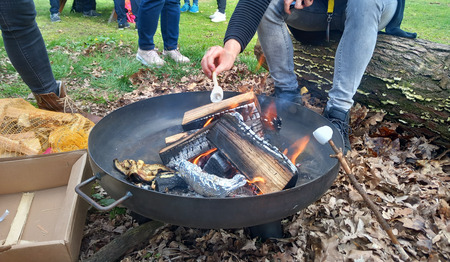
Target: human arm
241,29
219,58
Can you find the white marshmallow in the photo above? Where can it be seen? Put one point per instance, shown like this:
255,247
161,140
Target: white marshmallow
323,134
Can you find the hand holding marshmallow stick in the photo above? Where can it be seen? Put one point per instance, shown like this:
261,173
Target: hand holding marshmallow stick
323,135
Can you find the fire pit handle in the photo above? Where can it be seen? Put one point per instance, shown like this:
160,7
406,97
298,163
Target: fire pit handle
95,204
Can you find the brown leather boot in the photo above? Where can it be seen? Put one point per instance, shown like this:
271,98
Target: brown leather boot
63,103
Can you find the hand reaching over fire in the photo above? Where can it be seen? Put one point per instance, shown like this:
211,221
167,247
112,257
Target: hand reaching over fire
218,59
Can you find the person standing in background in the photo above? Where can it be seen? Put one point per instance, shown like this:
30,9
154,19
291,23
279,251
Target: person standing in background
121,12
219,15
149,13
187,7
89,7
54,11
27,52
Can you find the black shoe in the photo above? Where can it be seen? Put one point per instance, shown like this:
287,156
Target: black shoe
91,13
124,25
293,96
340,120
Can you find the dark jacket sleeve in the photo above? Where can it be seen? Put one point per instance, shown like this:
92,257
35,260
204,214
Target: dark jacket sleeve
245,20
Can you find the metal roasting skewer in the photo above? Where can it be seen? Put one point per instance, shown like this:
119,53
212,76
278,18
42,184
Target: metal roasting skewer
217,92
323,135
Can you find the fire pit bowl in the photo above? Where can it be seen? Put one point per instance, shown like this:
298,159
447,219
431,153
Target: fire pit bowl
137,131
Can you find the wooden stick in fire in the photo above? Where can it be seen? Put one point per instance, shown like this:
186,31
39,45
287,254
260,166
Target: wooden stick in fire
217,92
323,135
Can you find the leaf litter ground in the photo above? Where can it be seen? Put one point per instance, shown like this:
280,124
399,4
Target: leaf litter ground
406,176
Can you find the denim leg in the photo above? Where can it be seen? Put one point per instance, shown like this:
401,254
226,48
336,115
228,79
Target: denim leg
149,12
222,5
54,6
170,22
195,2
25,46
88,5
277,46
363,20
135,10
119,7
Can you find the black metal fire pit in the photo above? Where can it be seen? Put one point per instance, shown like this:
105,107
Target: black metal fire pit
137,131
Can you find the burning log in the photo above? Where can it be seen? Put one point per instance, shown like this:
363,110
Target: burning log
252,155
186,148
246,104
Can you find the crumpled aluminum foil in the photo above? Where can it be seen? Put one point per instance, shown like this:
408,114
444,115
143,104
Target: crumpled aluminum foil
207,184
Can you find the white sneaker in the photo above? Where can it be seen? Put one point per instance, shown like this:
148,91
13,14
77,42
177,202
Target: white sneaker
213,15
219,17
149,57
176,56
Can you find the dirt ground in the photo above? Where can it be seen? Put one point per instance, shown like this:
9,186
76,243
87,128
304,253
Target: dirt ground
406,176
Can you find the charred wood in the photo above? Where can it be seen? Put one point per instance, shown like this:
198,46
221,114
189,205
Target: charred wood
251,155
218,165
164,183
186,148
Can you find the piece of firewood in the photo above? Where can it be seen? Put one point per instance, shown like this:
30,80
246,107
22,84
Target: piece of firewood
18,146
247,104
174,138
251,155
186,148
20,219
126,242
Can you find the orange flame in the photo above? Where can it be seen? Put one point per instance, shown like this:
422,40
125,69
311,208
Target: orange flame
256,179
195,161
271,113
208,122
299,146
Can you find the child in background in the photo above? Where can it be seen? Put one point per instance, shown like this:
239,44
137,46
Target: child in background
187,7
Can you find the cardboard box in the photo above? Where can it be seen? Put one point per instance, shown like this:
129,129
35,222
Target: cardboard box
51,227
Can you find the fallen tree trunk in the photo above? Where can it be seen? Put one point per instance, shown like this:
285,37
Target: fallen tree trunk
407,78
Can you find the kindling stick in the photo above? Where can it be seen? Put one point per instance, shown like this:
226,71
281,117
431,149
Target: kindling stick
323,135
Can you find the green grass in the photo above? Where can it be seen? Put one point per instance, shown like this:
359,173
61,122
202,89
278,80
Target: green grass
98,59
429,19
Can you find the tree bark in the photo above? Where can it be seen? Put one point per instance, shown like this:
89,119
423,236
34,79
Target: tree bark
407,78
126,242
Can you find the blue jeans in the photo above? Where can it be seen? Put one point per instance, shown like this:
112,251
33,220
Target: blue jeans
88,5
149,13
25,46
360,22
54,6
193,2
221,5
121,11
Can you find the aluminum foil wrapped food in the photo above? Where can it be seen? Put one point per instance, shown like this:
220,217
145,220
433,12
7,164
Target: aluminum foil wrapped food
207,184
